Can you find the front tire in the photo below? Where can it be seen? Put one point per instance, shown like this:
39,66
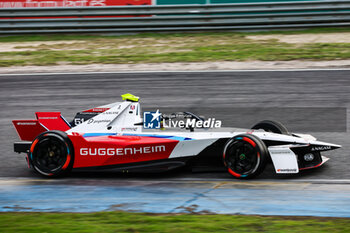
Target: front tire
271,126
51,154
245,156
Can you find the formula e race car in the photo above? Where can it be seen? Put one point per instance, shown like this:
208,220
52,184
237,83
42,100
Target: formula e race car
117,136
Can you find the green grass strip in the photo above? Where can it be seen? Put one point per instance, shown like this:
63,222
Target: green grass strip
135,222
158,48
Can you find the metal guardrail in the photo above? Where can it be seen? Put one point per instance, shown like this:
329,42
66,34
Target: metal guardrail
245,16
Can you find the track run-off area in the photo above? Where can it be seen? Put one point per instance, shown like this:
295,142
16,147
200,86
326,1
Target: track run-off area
306,101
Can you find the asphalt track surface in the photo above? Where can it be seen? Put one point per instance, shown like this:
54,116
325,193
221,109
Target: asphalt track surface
305,101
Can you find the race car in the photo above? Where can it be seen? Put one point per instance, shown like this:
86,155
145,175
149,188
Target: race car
118,136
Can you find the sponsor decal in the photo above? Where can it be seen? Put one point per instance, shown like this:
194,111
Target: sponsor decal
279,152
293,170
320,148
99,109
69,3
132,107
92,121
26,123
110,113
129,129
95,110
122,151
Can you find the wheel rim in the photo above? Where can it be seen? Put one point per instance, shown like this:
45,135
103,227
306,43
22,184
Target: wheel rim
242,158
50,154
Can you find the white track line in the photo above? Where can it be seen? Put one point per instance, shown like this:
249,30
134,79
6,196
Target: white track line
173,71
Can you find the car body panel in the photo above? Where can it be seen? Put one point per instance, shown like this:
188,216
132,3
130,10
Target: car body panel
114,135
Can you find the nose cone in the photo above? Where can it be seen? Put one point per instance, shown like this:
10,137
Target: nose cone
335,146
323,146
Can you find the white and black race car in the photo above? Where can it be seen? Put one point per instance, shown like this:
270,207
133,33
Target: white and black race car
114,137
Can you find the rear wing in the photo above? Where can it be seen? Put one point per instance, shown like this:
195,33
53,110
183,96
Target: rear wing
101,118
27,130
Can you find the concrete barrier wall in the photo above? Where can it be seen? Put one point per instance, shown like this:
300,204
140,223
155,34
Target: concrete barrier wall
165,18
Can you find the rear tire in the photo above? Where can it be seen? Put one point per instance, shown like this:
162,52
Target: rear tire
245,156
51,154
271,126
